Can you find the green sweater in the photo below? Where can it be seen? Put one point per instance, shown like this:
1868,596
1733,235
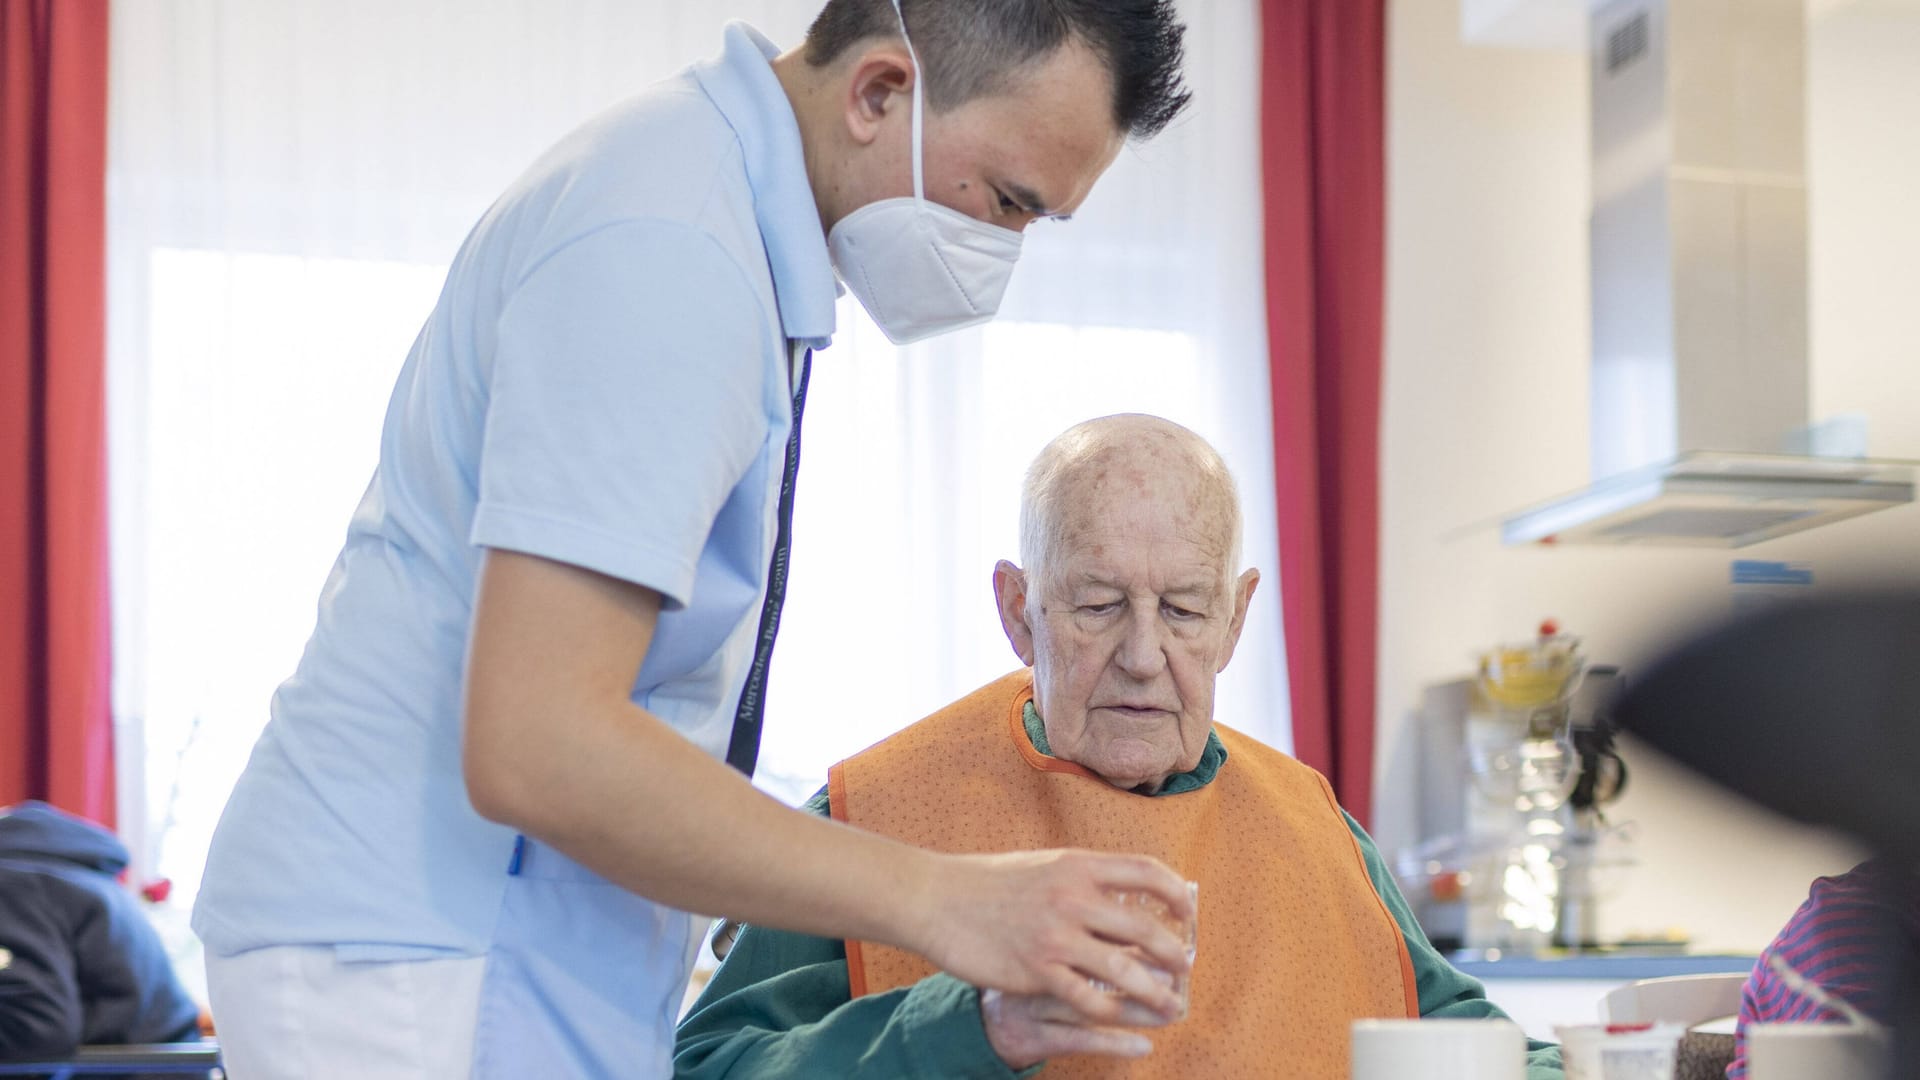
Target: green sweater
781,1006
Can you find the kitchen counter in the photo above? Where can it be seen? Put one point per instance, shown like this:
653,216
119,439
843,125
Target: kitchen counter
1617,967
1541,991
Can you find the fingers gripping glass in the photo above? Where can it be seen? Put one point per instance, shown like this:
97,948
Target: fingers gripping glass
1187,930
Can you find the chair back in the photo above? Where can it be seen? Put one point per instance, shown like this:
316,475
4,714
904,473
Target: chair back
1676,999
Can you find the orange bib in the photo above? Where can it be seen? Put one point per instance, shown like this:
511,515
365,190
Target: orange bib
1295,944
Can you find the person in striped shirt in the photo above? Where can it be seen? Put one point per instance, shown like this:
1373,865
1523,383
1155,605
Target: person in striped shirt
1846,939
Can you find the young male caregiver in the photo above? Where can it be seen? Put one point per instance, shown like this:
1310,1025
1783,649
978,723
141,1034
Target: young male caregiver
467,840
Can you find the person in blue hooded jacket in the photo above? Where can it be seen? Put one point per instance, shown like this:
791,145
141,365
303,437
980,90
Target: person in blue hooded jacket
79,963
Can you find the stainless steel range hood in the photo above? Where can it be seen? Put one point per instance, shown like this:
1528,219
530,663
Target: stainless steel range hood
1699,249
1708,499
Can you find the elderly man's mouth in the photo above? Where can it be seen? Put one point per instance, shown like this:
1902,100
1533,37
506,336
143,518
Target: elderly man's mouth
1138,712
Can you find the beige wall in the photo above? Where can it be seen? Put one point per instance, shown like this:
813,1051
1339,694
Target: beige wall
1486,400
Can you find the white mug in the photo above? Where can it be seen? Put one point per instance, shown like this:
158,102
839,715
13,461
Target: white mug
1439,1050
1815,1052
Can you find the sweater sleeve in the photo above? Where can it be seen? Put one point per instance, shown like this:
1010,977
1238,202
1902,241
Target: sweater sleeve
1445,991
768,1013
781,1005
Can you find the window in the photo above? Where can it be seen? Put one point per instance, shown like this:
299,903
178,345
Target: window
263,411
267,378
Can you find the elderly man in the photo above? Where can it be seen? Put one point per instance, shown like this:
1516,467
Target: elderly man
1126,609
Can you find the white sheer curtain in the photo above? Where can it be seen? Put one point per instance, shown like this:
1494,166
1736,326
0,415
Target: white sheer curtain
287,183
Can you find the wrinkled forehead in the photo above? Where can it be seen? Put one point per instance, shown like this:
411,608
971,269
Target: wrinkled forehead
1160,503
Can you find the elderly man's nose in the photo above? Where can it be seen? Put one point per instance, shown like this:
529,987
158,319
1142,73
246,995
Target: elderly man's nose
1143,652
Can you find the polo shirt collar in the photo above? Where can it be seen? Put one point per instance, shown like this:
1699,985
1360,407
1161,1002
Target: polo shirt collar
742,85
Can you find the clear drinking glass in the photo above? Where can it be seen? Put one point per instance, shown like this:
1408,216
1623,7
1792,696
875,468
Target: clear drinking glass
1188,930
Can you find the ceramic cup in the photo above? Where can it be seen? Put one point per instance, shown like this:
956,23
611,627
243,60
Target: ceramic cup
1621,1052
1641,1055
1580,1050
1439,1050
1814,1052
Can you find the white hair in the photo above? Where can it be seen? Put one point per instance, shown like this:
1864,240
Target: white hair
1059,465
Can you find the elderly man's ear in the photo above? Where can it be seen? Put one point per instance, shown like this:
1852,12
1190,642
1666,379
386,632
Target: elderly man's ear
1010,593
1242,596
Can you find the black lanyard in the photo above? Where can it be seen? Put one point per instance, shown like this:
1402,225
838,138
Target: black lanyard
743,749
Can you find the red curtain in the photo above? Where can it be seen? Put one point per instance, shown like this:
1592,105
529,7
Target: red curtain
1323,91
56,730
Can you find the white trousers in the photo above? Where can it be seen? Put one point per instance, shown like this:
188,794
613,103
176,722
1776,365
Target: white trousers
300,1013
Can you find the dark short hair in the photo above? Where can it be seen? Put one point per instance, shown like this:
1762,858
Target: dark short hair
971,47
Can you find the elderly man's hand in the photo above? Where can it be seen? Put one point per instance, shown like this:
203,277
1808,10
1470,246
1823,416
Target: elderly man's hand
1047,923
1027,1029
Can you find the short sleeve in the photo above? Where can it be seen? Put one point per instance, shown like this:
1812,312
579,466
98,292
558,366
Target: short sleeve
625,402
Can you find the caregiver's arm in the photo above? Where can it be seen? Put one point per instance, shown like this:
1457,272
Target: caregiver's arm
554,747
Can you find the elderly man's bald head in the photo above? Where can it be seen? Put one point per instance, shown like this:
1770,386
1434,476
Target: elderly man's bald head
1130,456
1128,605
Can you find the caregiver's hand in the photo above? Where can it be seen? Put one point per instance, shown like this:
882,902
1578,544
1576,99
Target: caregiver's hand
1045,922
1025,1030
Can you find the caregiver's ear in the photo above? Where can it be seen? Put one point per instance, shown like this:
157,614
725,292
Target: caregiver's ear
879,81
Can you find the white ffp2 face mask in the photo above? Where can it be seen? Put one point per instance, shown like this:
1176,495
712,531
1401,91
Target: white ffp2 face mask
920,268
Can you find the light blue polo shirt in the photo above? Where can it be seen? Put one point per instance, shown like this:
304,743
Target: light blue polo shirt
603,382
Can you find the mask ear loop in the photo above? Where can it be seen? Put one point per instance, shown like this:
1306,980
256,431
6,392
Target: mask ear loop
919,189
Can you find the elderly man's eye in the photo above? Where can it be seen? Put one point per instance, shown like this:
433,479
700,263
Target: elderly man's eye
1107,608
1179,612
